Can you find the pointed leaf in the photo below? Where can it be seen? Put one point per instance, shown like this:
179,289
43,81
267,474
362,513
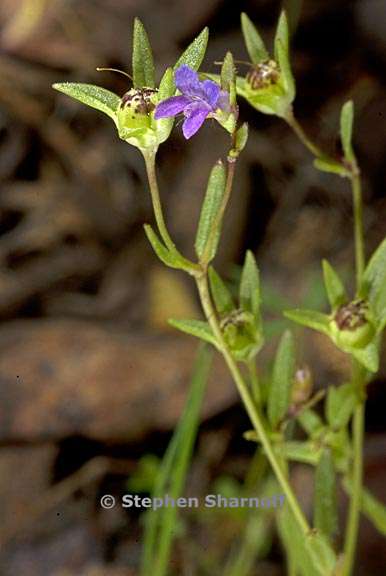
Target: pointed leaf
374,280
334,287
222,297
241,137
374,510
197,328
282,55
249,291
195,52
340,404
173,260
346,124
208,231
253,41
143,64
282,380
309,318
167,88
325,504
331,166
322,554
304,452
368,357
311,423
93,96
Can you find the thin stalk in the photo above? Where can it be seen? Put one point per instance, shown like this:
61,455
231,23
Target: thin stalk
149,156
358,424
297,128
206,302
254,381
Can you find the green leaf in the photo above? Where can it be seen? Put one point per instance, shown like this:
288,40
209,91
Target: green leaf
249,291
241,137
282,55
167,88
253,41
197,328
309,318
208,231
160,525
371,507
322,555
325,503
221,295
195,52
311,422
346,124
143,64
173,260
304,452
334,287
374,280
368,357
93,96
331,166
228,77
339,405
282,380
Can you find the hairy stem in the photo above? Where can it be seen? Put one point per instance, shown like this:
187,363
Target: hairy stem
149,156
207,305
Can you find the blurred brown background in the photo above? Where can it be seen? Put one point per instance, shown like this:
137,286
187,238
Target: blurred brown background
91,378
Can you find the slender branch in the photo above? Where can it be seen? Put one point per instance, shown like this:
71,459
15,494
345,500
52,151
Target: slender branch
149,156
297,128
254,381
358,227
203,289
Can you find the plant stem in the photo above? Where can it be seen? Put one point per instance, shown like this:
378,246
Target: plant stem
203,289
297,128
254,381
358,227
358,423
149,156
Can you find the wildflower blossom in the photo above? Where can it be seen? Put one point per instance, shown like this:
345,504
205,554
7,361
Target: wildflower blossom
198,100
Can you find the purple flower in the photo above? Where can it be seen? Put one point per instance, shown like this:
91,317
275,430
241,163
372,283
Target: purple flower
198,100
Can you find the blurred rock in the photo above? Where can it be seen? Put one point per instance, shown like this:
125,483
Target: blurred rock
64,378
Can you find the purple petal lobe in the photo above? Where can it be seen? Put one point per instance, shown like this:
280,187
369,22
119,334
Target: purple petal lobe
171,107
187,80
211,91
195,116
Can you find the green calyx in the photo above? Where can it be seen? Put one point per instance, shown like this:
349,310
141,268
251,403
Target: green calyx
134,117
240,334
352,326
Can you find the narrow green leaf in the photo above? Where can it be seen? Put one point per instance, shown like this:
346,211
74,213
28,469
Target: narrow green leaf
160,524
197,328
374,280
322,554
208,231
167,88
331,166
253,41
311,423
334,286
346,124
173,260
142,61
221,295
195,52
305,452
298,556
309,318
371,507
228,77
241,137
282,55
249,291
325,503
282,380
340,404
93,96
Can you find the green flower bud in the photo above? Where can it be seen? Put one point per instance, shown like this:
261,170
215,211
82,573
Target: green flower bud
134,117
240,334
352,326
302,386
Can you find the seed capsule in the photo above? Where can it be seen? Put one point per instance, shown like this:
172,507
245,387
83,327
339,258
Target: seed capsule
351,325
263,75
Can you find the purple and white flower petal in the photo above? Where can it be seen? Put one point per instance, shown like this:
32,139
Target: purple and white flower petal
195,114
171,107
211,92
187,80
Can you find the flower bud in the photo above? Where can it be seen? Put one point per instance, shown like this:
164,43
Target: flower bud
352,326
302,386
263,75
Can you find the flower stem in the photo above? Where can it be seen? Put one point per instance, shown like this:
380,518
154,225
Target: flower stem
254,381
149,156
297,128
206,302
358,424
